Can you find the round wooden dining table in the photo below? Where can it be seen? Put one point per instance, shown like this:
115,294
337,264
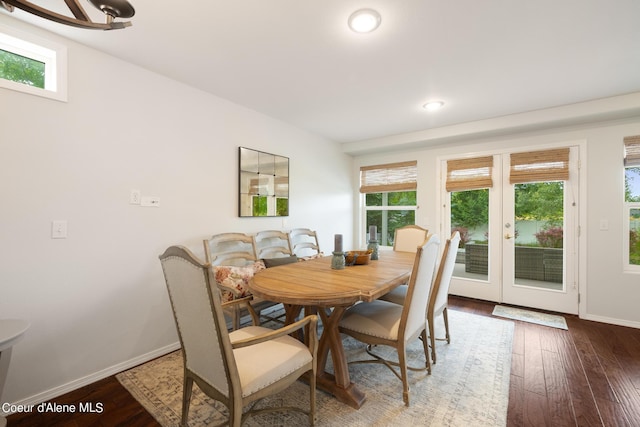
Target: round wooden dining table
314,286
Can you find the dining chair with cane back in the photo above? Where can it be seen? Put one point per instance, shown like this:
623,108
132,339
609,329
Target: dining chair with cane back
409,237
235,368
385,323
439,292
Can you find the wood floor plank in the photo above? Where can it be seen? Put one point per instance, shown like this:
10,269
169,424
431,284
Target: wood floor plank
533,367
515,411
536,410
558,393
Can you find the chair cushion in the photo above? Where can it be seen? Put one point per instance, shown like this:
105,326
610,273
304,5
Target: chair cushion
274,262
397,295
263,364
236,278
377,318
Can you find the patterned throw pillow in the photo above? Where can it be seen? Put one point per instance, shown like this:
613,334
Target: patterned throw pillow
310,257
236,278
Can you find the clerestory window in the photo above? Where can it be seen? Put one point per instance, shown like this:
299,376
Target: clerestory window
32,65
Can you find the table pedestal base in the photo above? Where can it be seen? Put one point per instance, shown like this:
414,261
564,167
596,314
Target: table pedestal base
350,395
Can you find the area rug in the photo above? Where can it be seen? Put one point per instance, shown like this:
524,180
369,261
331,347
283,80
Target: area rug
468,386
544,319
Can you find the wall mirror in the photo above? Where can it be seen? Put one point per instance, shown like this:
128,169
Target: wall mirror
264,184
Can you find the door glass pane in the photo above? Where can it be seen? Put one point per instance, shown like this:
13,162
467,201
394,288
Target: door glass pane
539,218
470,216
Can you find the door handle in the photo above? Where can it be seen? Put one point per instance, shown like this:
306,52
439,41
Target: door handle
508,236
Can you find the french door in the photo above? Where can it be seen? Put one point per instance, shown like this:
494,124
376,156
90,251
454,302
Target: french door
518,218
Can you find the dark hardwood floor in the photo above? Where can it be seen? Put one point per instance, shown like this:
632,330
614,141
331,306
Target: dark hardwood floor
586,376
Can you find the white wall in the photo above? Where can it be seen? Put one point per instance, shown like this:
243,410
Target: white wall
96,301
608,294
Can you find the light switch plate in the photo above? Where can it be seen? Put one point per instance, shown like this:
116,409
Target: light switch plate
59,229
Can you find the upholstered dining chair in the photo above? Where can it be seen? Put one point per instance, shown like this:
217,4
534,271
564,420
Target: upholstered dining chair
409,237
235,368
385,323
438,299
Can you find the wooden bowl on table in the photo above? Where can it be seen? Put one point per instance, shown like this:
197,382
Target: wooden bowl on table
357,257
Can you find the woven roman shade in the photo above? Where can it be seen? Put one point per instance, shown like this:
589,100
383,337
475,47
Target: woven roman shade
632,150
390,177
469,174
539,166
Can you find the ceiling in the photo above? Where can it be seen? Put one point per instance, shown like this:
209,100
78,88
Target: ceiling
298,62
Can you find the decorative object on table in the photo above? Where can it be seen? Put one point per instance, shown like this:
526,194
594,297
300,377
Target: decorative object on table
337,262
264,184
373,242
473,372
358,257
111,8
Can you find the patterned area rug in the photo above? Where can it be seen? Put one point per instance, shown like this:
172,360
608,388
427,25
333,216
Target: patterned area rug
468,386
530,316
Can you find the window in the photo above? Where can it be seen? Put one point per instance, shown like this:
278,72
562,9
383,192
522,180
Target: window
631,222
389,198
32,65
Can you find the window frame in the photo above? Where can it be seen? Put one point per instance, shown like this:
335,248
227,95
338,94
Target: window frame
54,56
631,160
626,226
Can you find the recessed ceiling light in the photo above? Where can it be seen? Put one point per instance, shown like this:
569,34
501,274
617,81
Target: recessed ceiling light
433,105
364,20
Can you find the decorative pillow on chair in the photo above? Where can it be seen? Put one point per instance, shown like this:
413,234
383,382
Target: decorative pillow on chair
310,257
274,262
236,278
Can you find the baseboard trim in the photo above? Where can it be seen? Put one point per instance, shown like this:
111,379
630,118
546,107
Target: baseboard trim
96,376
611,320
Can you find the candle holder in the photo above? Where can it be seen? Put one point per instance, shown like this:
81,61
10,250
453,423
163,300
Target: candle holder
373,246
337,262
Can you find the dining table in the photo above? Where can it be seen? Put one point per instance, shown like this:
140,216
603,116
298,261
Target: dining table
316,287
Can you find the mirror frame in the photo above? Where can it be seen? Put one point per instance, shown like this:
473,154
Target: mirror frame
263,182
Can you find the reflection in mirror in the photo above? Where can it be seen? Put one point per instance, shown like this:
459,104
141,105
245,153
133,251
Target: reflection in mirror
264,184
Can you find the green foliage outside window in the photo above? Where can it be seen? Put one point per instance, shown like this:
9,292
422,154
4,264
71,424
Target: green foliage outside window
387,220
632,184
541,201
21,69
470,209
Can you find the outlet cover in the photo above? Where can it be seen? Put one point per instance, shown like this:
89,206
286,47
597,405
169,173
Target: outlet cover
150,201
134,197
